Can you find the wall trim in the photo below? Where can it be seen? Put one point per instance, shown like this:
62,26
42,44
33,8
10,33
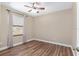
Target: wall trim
17,43
73,51
3,48
50,42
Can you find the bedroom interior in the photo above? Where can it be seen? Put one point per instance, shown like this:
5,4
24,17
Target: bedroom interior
38,29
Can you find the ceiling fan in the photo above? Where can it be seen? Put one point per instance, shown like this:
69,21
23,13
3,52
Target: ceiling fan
33,6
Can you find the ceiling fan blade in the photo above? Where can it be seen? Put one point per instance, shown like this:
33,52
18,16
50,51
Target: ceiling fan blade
38,3
27,6
29,10
42,8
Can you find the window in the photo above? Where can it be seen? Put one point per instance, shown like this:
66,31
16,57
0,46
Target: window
17,30
18,24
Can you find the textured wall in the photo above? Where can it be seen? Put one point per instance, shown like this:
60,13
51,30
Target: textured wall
55,27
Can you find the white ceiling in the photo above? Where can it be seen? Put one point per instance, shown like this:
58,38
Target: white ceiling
49,7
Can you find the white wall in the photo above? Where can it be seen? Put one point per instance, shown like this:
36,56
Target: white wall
29,27
0,24
3,26
55,27
74,25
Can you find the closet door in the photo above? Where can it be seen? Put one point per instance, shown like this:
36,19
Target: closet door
17,28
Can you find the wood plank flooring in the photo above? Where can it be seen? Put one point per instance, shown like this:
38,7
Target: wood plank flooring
37,48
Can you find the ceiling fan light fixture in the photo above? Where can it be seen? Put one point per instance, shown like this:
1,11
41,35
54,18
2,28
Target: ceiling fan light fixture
34,6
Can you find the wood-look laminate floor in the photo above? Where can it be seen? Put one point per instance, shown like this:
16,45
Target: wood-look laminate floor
37,48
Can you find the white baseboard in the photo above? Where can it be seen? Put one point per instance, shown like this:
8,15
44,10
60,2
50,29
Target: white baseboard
73,51
3,48
17,43
50,42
